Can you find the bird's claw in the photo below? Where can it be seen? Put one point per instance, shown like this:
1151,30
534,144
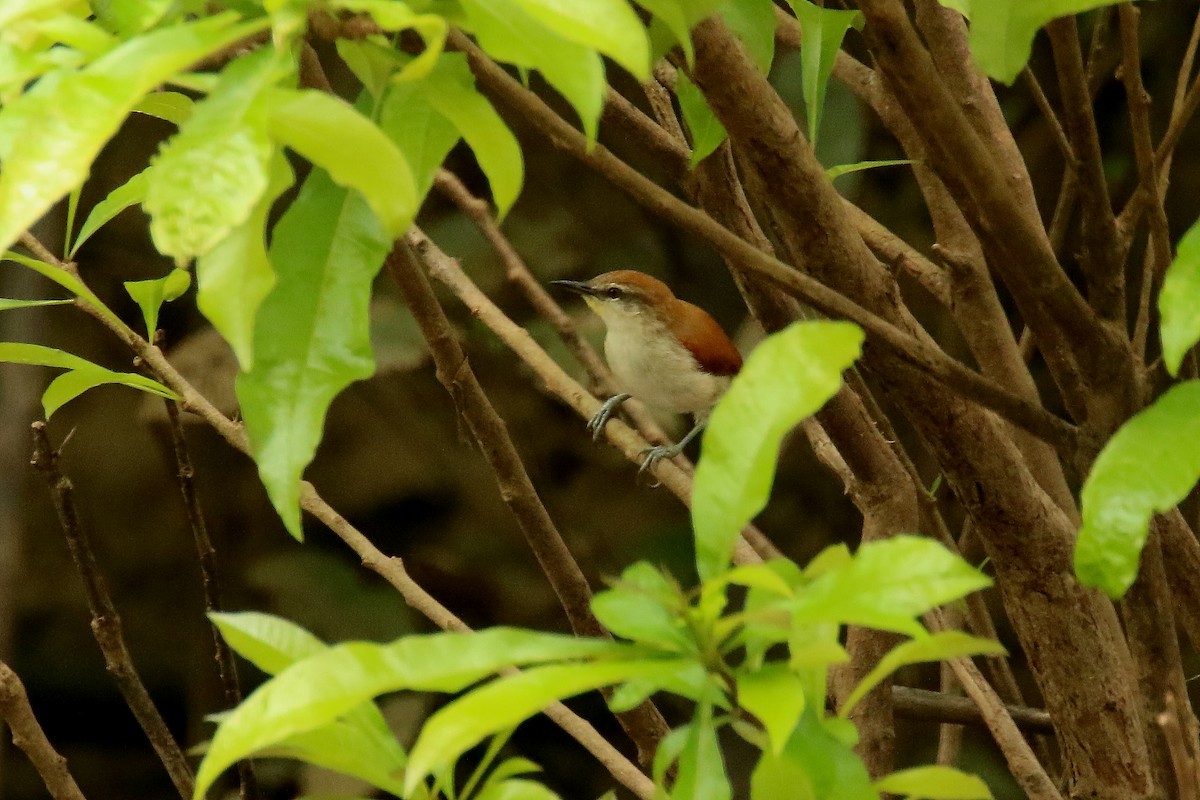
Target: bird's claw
596,424
656,454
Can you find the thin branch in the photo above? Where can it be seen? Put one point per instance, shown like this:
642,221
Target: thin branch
1158,254
210,582
1056,128
391,569
1187,772
106,622
1103,264
644,724
447,271
28,735
1022,763
919,353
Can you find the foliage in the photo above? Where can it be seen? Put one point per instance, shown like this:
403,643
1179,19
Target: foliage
694,644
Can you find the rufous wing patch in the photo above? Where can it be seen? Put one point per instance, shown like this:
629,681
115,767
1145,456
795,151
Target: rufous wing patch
703,337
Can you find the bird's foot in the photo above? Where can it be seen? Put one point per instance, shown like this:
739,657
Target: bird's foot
596,423
657,453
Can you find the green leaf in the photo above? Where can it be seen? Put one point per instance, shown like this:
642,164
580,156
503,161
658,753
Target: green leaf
368,753
130,193
701,773
846,169
422,134
64,279
609,26
888,583
450,91
821,33
813,766
645,607
518,789
373,64
7,304
787,377
207,179
707,131
673,17
151,294
128,17
321,688
935,647
50,135
506,701
332,135
934,783
82,374
512,34
312,332
1179,301
235,276
1149,465
173,107
268,642
774,694
753,21
1002,31
392,15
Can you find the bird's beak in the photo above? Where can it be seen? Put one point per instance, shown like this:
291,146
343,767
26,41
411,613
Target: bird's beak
578,287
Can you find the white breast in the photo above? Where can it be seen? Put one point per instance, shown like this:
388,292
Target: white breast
654,367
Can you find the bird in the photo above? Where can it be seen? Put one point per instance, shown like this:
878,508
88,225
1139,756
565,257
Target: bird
665,351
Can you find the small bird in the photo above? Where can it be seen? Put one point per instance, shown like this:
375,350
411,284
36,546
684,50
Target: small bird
662,350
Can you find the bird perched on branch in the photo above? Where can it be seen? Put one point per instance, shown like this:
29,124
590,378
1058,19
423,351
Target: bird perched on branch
662,350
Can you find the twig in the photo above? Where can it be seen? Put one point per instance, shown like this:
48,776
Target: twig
391,569
1187,773
1056,128
922,704
1103,264
1022,763
210,582
106,622
1158,254
28,735
644,724
919,353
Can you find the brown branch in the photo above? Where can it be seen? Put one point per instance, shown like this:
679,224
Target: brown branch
1187,772
919,353
391,569
447,271
28,735
1022,763
644,724
106,622
1056,129
1103,266
1158,254
210,582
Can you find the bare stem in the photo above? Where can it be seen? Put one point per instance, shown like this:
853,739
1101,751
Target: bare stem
28,735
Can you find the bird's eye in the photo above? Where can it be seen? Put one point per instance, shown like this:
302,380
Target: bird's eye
614,292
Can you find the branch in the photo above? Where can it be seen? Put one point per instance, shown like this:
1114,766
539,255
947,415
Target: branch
28,735
1022,763
1158,254
210,582
106,622
1056,129
644,724
1102,261
1187,773
919,353
391,569
447,271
